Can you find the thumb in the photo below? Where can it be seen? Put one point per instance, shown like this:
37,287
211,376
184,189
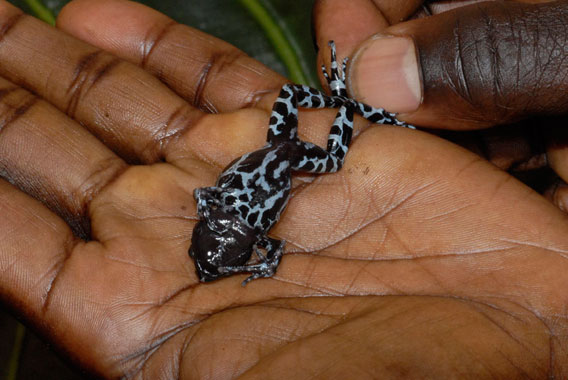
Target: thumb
472,67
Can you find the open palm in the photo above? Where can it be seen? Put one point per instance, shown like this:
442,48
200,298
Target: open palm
416,256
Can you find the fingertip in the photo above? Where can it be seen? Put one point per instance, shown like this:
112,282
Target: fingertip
560,197
80,16
397,11
8,13
348,23
385,73
112,25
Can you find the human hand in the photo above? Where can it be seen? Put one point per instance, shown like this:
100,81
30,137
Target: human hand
404,262
475,66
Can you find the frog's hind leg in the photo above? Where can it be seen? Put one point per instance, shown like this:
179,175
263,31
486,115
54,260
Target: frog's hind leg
314,159
379,115
284,117
336,82
267,264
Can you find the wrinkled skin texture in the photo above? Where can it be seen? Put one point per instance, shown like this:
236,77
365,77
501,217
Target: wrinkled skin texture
431,261
482,63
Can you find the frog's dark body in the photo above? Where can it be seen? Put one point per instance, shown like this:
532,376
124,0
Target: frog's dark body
253,191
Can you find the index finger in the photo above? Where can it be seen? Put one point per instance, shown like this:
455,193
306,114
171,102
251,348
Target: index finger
334,20
209,73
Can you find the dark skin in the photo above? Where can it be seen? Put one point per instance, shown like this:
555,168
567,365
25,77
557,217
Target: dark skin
482,64
430,262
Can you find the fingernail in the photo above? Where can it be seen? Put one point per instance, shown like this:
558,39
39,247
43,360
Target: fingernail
384,73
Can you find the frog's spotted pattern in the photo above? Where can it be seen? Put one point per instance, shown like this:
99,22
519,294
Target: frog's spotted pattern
251,193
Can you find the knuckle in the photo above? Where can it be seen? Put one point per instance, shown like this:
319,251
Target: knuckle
9,19
103,173
180,120
155,36
89,70
212,72
14,103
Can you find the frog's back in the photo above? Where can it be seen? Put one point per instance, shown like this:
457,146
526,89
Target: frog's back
257,186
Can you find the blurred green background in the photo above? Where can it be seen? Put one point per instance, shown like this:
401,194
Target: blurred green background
276,32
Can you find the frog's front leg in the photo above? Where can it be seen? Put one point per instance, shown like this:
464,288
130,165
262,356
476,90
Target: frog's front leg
267,265
206,198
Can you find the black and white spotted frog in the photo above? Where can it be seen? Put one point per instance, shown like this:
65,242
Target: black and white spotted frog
253,191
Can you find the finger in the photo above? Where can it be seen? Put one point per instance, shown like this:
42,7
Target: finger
557,154
332,16
209,73
52,158
134,113
67,289
192,141
462,69
560,197
34,245
334,20
397,11
477,66
206,71
36,251
351,23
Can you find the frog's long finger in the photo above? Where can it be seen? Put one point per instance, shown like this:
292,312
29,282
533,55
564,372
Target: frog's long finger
208,72
51,157
129,109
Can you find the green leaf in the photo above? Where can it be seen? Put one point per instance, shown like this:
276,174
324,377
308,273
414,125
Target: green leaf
14,360
281,37
41,11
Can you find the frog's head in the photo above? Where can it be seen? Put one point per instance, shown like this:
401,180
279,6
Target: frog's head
223,241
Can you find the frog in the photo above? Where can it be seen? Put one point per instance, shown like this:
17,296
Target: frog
252,192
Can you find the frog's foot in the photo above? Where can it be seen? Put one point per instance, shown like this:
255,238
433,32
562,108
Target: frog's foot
265,268
336,80
379,115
